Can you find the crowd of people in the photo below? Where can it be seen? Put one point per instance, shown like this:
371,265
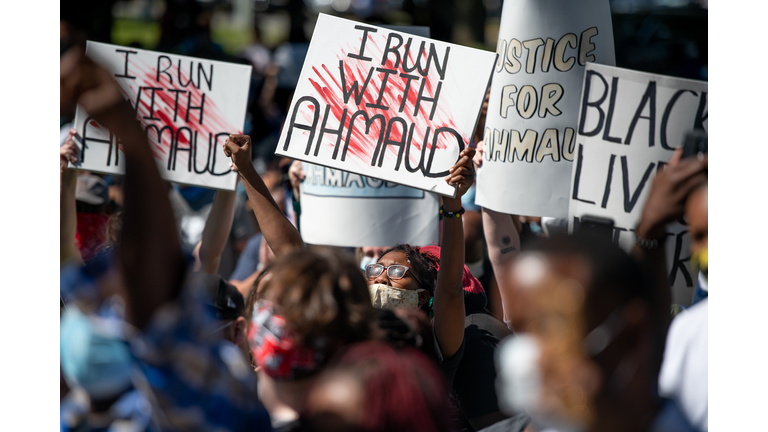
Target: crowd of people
184,309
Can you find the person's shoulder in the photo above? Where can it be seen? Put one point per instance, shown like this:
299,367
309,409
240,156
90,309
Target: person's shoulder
485,325
691,321
517,423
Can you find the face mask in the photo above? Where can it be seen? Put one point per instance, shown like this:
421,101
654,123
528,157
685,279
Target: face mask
387,297
699,261
274,348
366,261
97,361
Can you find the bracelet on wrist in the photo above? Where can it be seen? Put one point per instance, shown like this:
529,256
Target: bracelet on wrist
648,243
447,214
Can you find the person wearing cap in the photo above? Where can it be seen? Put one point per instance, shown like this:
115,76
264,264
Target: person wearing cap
227,305
84,204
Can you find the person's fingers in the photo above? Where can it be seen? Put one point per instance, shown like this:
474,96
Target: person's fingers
687,168
676,157
230,147
455,180
688,186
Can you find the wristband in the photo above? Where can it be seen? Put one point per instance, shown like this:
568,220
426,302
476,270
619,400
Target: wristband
447,214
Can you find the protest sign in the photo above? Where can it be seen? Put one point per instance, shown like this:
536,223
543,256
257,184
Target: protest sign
629,126
530,127
187,106
339,208
385,104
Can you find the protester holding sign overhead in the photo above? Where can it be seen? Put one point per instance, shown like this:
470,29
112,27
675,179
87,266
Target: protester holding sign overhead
384,104
629,126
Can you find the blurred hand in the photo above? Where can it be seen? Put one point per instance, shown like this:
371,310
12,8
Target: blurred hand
69,152
671,187
238,147
85,83
296,175
462,175
478,159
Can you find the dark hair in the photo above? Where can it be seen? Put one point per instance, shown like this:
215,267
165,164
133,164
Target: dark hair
423,265
615,279
323,296
403,390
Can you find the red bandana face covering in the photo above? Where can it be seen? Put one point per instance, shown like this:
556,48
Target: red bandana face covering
274,349
91,233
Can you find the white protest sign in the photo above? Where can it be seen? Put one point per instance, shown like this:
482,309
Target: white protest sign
385,104
630,124
346,209
530,127
187,106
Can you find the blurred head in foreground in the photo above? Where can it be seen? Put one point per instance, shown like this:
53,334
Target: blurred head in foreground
310,306
375,387
583,355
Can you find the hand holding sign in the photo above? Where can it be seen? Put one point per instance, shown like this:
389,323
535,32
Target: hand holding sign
69,152
462,175
238,147
672,185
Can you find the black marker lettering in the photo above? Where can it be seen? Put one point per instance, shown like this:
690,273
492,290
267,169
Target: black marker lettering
125,70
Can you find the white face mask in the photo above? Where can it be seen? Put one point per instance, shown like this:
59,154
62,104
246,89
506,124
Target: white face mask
519,383
387,297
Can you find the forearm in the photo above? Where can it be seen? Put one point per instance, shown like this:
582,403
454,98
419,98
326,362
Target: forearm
448,304
150,249
68,214
217,229
278,231
503,240
655,262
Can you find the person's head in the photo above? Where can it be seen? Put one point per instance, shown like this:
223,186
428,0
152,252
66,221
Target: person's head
91,194
311,305
375,387
697,215
406,268
228,307
587,339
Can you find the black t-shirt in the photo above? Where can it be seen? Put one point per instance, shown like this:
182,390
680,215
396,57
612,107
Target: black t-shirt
451,365
474,383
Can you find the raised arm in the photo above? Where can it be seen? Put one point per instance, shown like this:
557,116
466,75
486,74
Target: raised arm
216,232
69,152
503,240
665,204
448,304
150,252
278,231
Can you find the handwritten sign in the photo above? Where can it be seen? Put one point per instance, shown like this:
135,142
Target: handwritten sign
629,126
187,106
385,104
339,208
530,128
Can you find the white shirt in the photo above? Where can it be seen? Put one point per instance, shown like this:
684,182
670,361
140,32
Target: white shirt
683,374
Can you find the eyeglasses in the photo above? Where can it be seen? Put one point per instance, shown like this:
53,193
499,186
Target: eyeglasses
394,272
